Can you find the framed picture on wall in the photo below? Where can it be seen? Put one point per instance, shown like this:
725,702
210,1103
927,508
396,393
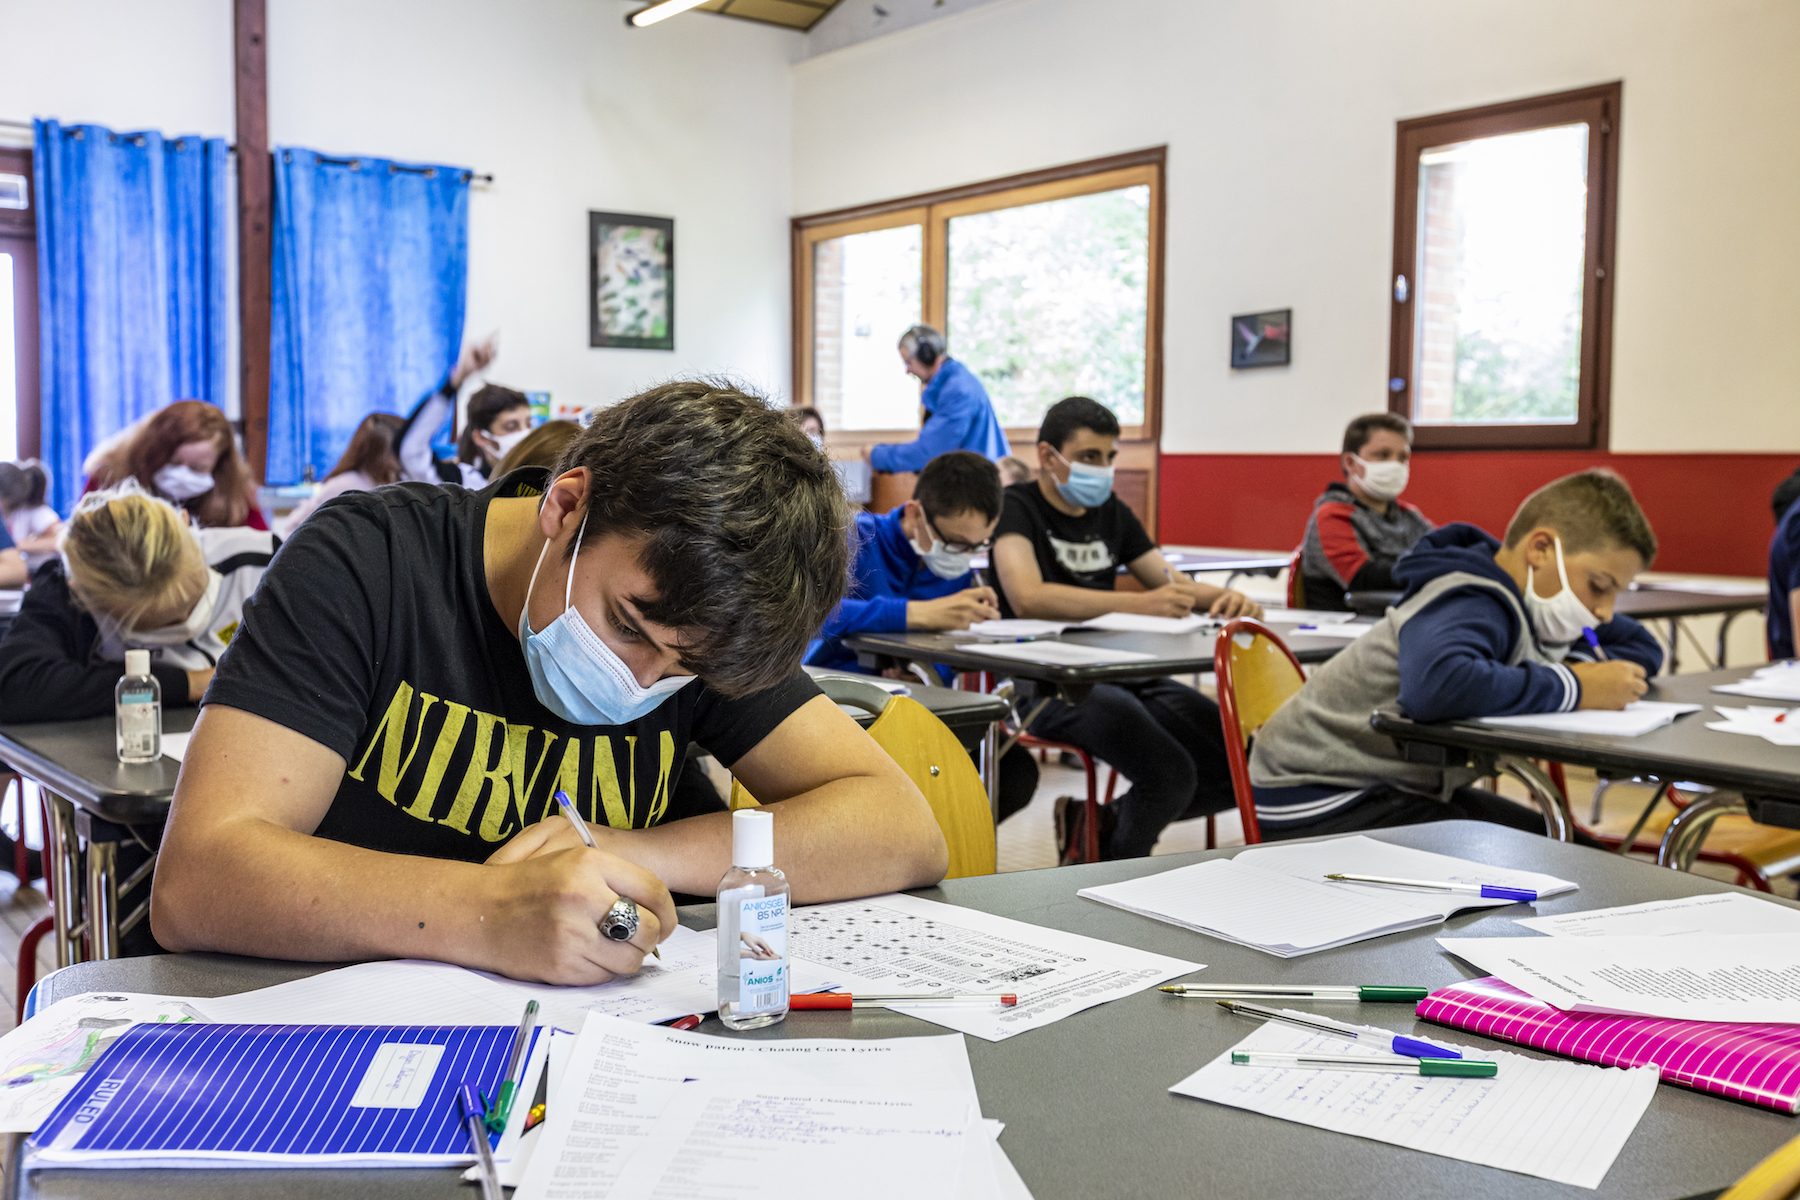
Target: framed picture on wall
1262,339
631,281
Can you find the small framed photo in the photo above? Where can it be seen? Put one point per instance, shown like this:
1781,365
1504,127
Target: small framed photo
1262,339
631,281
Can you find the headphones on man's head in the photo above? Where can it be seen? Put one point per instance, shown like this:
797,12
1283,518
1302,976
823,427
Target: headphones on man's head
928,344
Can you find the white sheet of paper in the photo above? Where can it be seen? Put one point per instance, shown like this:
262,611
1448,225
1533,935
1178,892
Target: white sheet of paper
1060,654
1780,726
1304,616
1777,681
1019,627
1120,622
1345,631
41,1060
174,745
1276,898
621,1075
737,1140
1740,977
1556,1120
410,992
898,943
1715,913
1634,720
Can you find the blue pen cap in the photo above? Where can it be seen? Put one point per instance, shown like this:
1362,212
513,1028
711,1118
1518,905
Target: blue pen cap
468,1102
1415,1048
1494,892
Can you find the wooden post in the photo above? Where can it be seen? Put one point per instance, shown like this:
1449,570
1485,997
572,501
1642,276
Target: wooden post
256,223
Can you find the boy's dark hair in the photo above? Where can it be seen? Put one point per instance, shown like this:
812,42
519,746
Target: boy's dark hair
1786,492
1591,510
1076,412
484,406
745,526
959,481
22,485
1360,430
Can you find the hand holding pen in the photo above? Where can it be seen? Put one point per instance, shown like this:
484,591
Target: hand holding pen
624,913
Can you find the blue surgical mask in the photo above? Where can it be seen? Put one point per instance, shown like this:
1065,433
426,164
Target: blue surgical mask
1088,487
575,673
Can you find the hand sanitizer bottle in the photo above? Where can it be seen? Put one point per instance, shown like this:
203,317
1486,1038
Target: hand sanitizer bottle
753,923
137,705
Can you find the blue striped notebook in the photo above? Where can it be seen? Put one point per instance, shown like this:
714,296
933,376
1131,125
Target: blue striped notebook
275,1095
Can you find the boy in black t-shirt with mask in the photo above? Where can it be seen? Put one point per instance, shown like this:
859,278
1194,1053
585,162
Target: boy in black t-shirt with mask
423,667
1057,551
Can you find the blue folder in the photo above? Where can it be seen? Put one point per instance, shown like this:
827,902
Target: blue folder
276,1095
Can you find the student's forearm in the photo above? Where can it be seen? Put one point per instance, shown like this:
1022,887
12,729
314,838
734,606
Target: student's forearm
850,838
1060,602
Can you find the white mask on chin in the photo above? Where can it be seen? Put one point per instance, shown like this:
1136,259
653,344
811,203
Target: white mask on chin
1558,620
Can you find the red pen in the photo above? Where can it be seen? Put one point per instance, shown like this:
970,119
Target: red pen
691,1021
819,1000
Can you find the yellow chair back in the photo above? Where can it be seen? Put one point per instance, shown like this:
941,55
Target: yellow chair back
1262,677
934,760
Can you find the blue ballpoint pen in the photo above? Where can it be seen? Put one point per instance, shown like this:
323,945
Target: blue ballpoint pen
1487,891
1593,640
568,810
1399,1043
474,1120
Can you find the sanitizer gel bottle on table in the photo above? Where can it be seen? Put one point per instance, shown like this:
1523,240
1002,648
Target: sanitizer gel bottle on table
753,924
137,704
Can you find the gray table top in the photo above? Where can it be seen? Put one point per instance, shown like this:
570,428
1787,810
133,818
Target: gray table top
1174,654
1085,1101
79,760
1683,750
1655,603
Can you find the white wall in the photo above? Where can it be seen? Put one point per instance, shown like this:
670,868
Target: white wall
568,108
1279,118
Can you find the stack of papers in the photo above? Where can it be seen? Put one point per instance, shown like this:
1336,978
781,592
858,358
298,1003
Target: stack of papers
898,944
1778,725
1634,720
1556,1120
1734,977
1344,630
1304,616
1059,654
1276,898
1138,623
639,1110
1777,681
1019,627
1711,913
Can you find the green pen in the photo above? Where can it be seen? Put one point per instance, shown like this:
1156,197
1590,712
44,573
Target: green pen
509,1085
1463,1068
1302,991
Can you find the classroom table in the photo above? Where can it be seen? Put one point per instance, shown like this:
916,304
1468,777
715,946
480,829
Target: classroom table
1757,777
1085,1100
95,802
1669,602
1196,559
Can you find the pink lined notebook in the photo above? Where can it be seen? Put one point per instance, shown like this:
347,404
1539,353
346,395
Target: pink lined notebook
1758,1063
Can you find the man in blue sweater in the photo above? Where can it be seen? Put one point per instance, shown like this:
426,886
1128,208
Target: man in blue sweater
911,568
958,414
1484,629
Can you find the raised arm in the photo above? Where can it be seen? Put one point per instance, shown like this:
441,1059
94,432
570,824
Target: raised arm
241,873
848,822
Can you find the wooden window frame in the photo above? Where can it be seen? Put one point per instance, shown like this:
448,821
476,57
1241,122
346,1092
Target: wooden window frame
1599,107
18,237
933,211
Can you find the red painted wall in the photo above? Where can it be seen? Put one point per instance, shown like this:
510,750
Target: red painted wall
1710,511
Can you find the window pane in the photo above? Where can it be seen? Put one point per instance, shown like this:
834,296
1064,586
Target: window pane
866,293
9,365
1502,245
1050,300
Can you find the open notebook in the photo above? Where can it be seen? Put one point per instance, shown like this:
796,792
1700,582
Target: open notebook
1276,898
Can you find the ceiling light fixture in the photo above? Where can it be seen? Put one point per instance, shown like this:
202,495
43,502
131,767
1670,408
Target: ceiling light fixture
661,12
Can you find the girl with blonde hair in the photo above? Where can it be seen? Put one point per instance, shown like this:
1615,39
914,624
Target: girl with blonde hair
134,573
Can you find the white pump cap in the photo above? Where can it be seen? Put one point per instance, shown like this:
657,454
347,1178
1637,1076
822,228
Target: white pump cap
137,662
752,839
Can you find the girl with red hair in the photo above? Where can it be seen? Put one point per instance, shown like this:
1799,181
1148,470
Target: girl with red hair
186,454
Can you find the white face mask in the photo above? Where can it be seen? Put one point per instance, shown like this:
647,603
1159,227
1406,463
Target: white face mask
504,443
182,483
1383,480
198,621
1559,620
945,564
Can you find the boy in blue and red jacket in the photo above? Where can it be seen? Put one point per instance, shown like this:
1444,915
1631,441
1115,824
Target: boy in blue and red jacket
1484,629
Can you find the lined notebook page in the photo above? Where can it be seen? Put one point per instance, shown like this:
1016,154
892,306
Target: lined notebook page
1561,1121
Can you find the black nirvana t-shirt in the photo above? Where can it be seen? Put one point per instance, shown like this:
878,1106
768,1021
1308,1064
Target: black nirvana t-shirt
373,634
1084,551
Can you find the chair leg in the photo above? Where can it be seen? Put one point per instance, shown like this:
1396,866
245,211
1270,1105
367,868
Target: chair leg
21,865
28,951
1600,786
1090,850
1212,832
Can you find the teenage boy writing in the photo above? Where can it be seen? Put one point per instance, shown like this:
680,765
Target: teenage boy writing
1484,630
424,666
1057,550
1359,527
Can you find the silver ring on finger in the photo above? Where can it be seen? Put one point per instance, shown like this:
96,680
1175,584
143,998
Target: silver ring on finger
620,921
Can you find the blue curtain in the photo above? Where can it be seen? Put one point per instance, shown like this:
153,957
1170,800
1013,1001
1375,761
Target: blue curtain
371,266
133,283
